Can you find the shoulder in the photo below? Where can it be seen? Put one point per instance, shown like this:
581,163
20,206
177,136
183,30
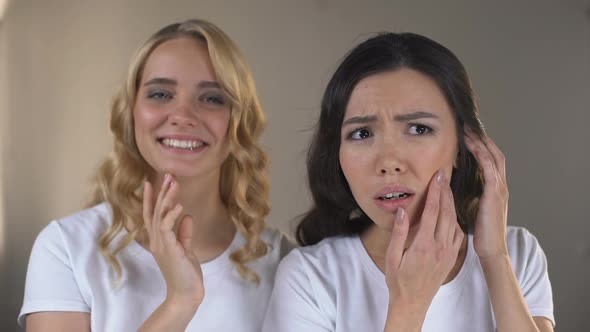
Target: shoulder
92,219
322,258
277,242
81,228
520,240
525,252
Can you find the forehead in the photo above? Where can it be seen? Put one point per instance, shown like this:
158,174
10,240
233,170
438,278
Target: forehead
180,57
400,91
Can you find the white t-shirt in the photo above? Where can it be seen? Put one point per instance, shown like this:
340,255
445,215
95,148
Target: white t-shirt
67,273
335,286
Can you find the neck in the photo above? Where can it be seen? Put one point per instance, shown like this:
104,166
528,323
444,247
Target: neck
376,240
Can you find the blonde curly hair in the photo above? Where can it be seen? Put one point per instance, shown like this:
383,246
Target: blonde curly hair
243,183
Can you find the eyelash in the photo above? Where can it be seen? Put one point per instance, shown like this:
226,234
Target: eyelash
427,130
165,95
215,99
160,95
412,127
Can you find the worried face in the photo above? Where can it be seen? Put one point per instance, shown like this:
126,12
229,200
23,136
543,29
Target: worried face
397,132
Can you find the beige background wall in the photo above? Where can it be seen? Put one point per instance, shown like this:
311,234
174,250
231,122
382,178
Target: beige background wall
62,60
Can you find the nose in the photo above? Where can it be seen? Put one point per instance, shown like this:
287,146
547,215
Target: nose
390,160
184,115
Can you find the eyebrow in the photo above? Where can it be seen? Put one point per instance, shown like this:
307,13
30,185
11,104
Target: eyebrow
414,116
400,118
168,81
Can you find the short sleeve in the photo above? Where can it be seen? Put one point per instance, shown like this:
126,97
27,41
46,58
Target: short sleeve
293,307
530,266
50,282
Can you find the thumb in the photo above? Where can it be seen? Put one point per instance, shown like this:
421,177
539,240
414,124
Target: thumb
397,242
185,233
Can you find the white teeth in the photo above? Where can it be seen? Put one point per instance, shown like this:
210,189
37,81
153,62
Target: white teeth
395,195
189,145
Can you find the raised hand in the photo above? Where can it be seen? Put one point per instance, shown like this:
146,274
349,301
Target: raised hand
173,252
415,274
489,238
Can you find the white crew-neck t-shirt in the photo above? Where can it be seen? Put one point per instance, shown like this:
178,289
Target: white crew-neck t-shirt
335,286
67,273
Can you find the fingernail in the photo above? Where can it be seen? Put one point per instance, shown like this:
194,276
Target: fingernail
440,176
399,215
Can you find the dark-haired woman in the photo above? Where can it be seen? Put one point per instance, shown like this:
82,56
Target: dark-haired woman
408,231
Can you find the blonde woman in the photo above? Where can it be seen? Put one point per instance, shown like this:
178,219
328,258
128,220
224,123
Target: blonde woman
176,239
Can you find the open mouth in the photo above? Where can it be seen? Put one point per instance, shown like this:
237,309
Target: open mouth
181,144
392,196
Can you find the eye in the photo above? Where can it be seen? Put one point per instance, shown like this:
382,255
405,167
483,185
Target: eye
359,134
213,99
418,129
159,95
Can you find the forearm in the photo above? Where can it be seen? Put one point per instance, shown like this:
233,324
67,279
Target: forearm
510,309
169,316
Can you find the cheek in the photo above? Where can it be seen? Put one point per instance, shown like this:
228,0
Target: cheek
218,123
431,158
146,118
354,166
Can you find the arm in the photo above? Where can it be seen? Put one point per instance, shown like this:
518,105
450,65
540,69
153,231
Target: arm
58,322
510,309
509,305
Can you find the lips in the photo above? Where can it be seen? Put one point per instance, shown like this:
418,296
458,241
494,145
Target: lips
182,143
391,198
394,192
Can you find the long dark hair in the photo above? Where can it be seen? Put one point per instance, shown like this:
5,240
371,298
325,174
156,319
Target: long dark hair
335,211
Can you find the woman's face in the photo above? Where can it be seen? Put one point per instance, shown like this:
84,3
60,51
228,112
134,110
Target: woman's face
181,113
398,131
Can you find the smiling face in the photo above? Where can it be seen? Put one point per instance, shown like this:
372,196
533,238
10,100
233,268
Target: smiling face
181,114
398,131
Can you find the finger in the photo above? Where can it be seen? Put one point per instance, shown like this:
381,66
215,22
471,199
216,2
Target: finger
447,219
161,194
170,218
458,238
185,233
148,194
484,158
397,242
487,166
485,145
499,158
168,201
431,207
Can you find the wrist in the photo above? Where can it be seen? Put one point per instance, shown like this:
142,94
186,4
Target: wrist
405,315
182,307
494,259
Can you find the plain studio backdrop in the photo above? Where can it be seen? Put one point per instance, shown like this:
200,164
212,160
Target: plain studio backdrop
62,61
